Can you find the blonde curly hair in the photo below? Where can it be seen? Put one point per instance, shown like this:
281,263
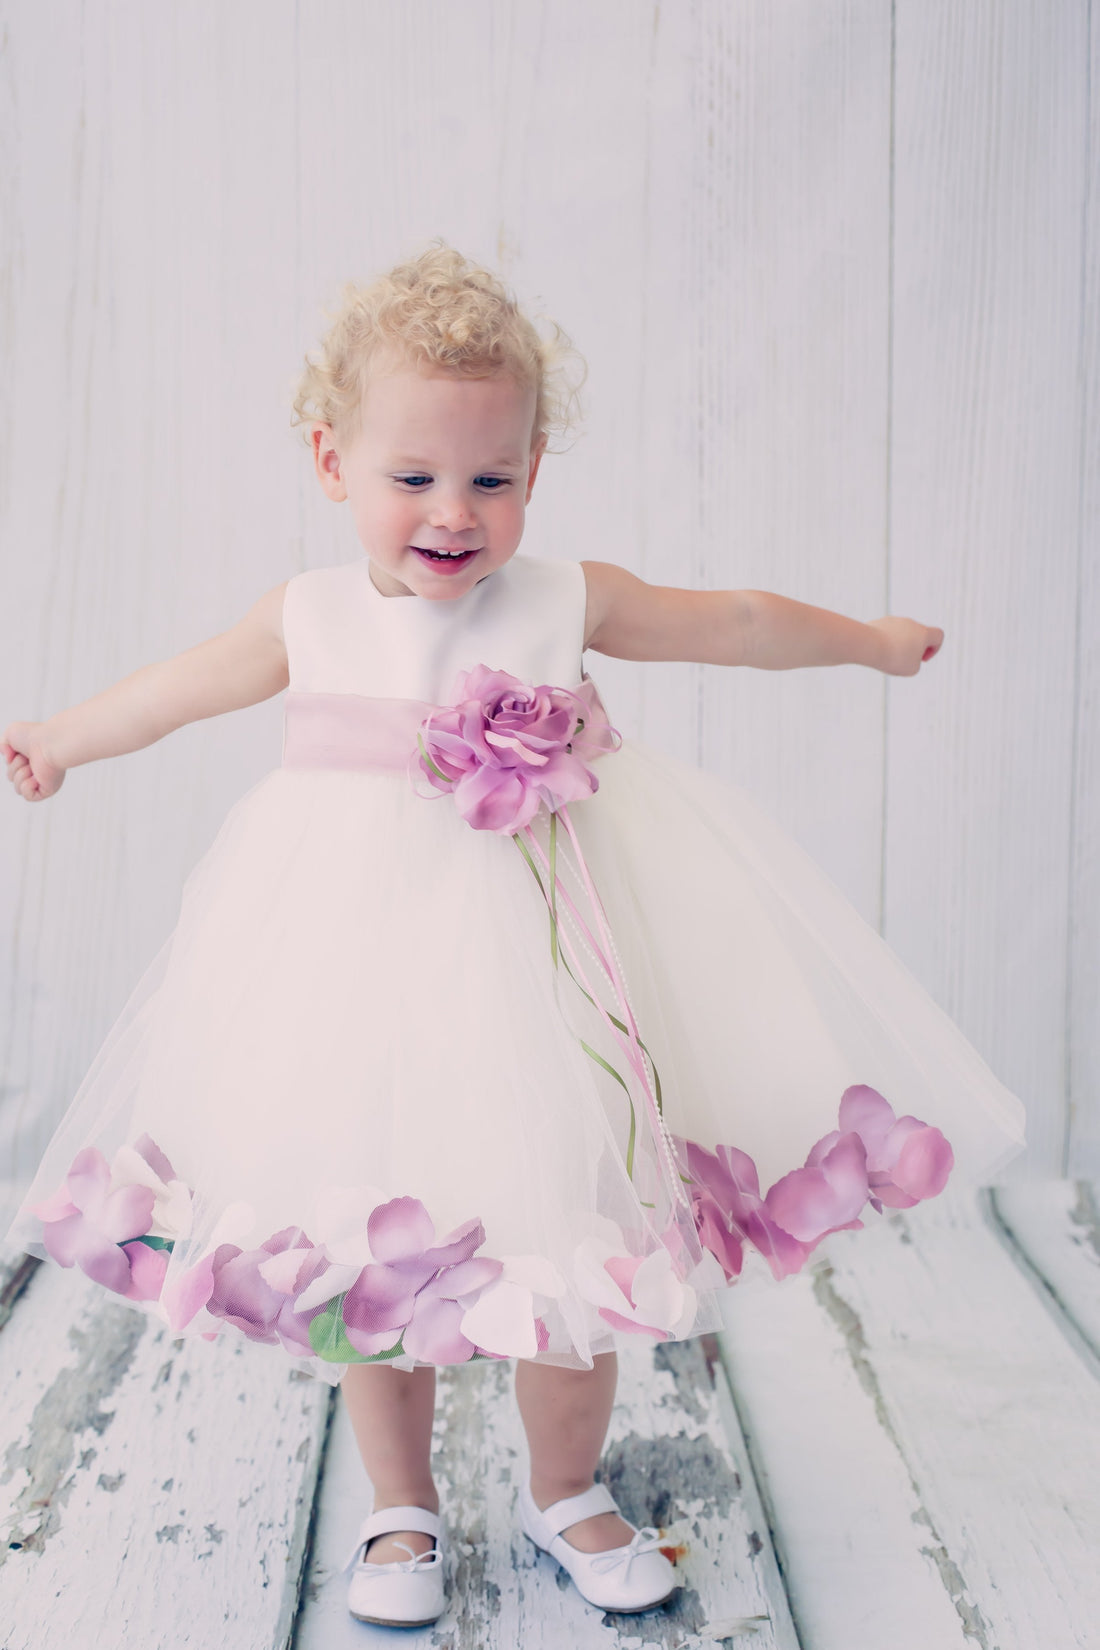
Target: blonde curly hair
438,310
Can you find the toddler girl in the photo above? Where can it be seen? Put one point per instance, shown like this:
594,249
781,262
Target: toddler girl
483,1027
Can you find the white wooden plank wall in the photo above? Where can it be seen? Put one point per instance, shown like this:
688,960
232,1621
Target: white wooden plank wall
833,267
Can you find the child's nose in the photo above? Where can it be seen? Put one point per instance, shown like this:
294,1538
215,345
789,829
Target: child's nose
454,512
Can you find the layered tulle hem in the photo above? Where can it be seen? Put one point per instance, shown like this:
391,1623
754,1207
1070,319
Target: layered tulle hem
375,1283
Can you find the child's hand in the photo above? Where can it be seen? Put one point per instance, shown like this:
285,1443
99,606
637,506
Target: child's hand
34,776
908,644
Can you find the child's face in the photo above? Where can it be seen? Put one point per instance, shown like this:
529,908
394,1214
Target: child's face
438,463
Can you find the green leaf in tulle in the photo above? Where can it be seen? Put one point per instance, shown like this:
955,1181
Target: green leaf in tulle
328,1338
153,1242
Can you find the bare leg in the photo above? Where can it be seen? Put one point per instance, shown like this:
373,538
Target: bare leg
391,1412
565,1414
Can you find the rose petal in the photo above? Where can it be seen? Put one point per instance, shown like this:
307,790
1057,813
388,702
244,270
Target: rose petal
617,1321
381,1298
147,1269
924,1164
864,1110
810,1202
399,1229
89,1177
189,1293
502,1320
435,1334
55,1207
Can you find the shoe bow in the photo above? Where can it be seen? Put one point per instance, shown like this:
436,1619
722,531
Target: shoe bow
642,1541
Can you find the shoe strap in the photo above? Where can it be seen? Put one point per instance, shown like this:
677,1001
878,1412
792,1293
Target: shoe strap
559,1515
390,1519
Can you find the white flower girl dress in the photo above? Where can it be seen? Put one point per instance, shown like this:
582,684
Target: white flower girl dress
485,1032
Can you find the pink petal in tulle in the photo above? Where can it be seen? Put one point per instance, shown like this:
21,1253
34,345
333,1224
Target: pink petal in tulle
56,1206
147,1269
189,1293
399,1230
629,1327
434,1334
809,1202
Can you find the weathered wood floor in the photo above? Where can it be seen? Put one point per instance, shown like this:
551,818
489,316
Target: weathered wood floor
897,1451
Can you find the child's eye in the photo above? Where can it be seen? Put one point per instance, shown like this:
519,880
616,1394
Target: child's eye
492,483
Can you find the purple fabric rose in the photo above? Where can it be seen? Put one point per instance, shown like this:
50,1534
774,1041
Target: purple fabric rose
504,748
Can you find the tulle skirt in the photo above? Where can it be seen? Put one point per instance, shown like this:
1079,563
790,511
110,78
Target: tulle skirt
358,1107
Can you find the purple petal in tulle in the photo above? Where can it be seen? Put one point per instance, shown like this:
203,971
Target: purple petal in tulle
809,1202
459,1245
96,1222
147,1270
468,1277
381,1298
715,1233
907,1159
56,1206
873,1155
399,1230
866,1112
189,1293
629,1326
433,1334
924,1161
75,1241
727,1197
241,1295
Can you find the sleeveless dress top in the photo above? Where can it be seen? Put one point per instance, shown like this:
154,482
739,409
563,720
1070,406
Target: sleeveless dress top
485,1032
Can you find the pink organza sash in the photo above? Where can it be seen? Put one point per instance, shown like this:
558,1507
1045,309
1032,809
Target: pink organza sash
355,731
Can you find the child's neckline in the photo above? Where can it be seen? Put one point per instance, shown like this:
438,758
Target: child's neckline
455,601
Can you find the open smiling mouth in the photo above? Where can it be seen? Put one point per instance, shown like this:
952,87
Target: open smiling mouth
444,559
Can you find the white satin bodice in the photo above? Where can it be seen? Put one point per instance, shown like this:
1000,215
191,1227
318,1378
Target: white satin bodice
343,636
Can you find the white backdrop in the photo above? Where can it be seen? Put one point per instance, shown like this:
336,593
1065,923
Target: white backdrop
833,265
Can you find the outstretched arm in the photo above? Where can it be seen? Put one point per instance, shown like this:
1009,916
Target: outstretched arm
630,619
239,667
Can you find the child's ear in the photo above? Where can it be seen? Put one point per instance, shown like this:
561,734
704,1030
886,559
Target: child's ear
326,462
536,460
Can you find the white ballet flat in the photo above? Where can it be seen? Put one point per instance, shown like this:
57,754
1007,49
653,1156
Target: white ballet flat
628,1579
407,1592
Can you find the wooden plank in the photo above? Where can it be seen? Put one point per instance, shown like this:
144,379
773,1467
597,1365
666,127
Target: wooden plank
154,1491
990,144
928,1440
674,1457
769,469
1054,1228
153,283
1083,1156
